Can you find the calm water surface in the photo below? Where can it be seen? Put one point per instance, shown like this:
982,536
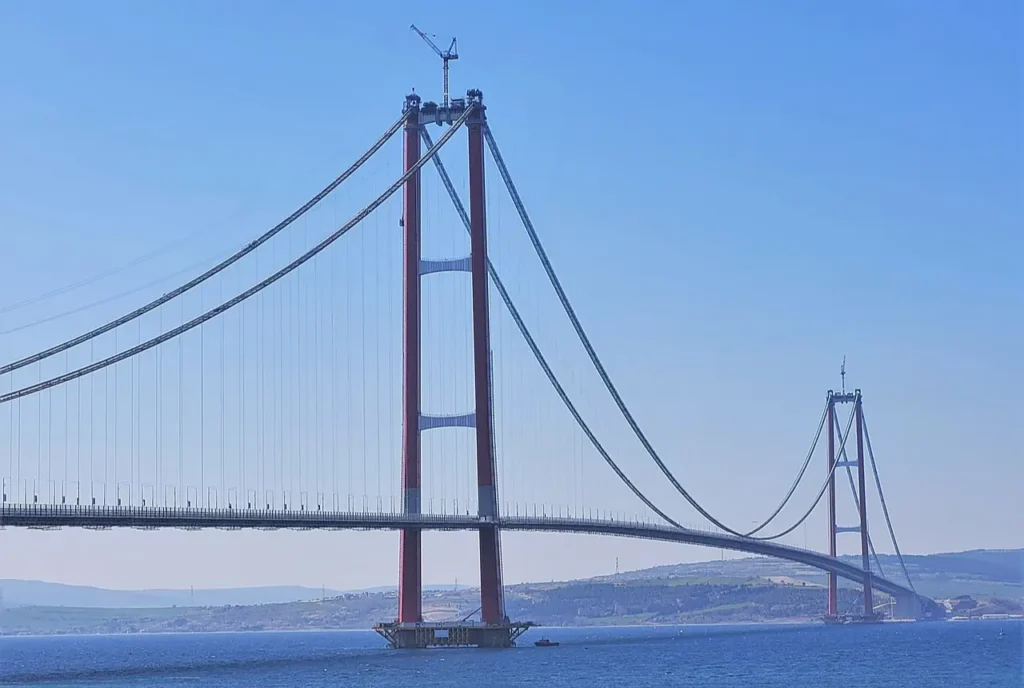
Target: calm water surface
936,654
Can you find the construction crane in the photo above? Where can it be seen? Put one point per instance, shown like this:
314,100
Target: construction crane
452,53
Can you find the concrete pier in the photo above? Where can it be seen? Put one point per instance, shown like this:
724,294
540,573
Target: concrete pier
419,636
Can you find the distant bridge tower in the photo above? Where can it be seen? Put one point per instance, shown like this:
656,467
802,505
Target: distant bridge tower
834,464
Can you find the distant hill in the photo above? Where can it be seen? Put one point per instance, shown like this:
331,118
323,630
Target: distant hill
29,593
998,565
728,591
986,573
21,593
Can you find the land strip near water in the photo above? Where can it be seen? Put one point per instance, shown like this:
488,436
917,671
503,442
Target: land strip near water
972,584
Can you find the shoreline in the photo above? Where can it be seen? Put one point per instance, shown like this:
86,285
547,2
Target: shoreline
579,627
772,622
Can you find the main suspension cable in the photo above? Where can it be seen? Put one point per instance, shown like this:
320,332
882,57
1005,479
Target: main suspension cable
199,320
585,340
216,269
92,279
800,475
881,498
535,349
108,299
821,492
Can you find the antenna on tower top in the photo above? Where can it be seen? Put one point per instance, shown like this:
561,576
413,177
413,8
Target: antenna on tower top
842,373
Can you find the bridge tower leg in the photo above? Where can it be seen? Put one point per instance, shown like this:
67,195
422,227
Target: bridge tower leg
410,582
833,593
410,631
863,506
492,607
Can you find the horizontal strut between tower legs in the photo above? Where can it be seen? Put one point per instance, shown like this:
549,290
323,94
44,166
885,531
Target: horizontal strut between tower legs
840,464
458,420
432,113
429,266
847,398
847,529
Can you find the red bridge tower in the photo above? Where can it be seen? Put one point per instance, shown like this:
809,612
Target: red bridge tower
494,628
834,463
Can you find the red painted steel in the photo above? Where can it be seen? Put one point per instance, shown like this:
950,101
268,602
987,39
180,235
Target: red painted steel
491,595
862,495
833,601
410,583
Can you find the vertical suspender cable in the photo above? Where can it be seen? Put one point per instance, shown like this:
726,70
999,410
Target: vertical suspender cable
335,382
117,491
201,497
181,413
317,387
885,509
158,449
377,353
391,360
222,427
242,358
362,353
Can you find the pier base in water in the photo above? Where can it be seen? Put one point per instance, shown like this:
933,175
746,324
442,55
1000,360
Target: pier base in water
418,636
853,619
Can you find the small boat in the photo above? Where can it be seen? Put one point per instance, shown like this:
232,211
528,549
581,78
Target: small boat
544,642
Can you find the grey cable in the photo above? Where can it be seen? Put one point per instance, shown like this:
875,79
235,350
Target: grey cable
220,267
171,334
881,498
585,340
856,500
530,342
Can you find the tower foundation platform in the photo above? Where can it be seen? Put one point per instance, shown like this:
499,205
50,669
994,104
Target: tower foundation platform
853,619
419,636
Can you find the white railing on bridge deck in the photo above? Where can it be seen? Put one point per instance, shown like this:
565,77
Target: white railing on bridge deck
140,514
199,513
303,514
528,511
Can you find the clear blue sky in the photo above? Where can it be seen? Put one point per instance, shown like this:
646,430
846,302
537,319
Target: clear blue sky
736,196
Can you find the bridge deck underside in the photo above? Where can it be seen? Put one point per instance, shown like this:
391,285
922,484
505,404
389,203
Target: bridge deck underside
87,516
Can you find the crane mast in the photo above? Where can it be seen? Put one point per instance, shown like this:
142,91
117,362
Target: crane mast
452,53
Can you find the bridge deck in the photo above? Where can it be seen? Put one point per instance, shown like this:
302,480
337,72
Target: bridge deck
88,516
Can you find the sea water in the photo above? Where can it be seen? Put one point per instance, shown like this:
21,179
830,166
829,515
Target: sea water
977,653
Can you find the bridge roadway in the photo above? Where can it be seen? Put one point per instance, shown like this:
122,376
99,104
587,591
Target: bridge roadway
89,516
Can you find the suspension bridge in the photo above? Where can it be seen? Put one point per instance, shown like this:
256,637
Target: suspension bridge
349,375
